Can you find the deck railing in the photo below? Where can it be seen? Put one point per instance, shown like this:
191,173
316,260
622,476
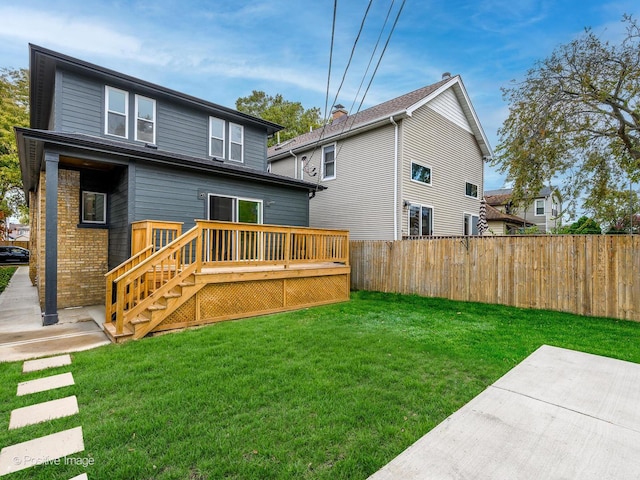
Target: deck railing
213,244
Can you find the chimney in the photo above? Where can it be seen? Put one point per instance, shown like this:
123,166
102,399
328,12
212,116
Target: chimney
446,75
339,113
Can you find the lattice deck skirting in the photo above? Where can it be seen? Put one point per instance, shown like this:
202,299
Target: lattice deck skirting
251,294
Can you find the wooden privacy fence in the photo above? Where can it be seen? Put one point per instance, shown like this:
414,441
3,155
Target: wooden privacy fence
596,275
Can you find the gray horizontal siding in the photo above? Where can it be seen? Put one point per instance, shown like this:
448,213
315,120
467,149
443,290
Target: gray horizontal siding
119,247
173,195
79,107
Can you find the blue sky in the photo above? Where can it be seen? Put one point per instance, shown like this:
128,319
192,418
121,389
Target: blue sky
222,50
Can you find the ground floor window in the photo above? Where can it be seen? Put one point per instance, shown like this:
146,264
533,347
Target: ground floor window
235,209
420,220
94,207
470,224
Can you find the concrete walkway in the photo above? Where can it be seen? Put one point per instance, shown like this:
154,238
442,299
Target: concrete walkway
22,335
559,414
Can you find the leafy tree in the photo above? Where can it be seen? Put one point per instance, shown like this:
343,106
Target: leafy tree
14,111
583,226
576,117
290,115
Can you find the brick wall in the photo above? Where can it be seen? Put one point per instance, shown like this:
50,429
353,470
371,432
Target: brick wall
82,252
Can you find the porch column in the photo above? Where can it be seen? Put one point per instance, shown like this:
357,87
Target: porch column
50,316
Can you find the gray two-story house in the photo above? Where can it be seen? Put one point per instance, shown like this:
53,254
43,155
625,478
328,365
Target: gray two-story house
105,150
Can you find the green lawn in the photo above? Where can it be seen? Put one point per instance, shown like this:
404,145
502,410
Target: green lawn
332,392
5,275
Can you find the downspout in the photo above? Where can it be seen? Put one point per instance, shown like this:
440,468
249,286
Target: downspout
295,164
395,180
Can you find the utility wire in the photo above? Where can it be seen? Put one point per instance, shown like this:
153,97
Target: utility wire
333,34
344,76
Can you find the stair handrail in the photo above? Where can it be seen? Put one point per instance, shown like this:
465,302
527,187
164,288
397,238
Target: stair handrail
116,272
153,263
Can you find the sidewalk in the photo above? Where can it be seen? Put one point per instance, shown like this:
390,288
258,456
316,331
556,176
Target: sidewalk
22,335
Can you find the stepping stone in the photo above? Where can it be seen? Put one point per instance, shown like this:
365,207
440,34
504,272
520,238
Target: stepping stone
43,384
82,476
43,450
43,363
41,412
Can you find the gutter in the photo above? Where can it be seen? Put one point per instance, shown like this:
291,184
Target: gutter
295,164
395,179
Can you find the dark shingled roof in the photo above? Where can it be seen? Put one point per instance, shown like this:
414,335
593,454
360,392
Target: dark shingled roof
383,111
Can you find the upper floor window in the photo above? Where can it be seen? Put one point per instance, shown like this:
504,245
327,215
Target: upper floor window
216,137
540,206
116,112
236,142
145,119
94,207
471,190
420,173
329,162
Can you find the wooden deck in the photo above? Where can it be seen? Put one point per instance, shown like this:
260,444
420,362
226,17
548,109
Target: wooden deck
222,271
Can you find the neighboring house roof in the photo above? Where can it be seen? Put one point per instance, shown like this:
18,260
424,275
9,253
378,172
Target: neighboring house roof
398,108
544,192
493,214
43,63
499,199
31,142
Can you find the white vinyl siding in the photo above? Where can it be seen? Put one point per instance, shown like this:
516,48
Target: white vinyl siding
455,159
360,199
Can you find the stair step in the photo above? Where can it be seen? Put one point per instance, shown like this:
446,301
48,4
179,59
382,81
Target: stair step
110,329
187,284
172,295
140,319
156,307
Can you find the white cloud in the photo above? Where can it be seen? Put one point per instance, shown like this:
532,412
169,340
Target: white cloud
72,34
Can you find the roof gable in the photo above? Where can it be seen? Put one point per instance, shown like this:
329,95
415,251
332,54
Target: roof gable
399,107
44,62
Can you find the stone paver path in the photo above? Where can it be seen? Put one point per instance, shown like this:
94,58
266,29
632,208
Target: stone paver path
47,450
44,384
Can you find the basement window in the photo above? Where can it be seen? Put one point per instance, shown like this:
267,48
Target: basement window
94,207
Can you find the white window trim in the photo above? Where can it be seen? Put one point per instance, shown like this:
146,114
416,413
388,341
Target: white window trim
224,124
137,97
464,220
535,207
104,208
335,161
231,142
421,205
256,200
236,205
477,190
418,181
107,88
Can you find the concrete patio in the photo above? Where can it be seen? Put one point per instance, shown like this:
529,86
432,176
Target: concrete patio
559,414
22,335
